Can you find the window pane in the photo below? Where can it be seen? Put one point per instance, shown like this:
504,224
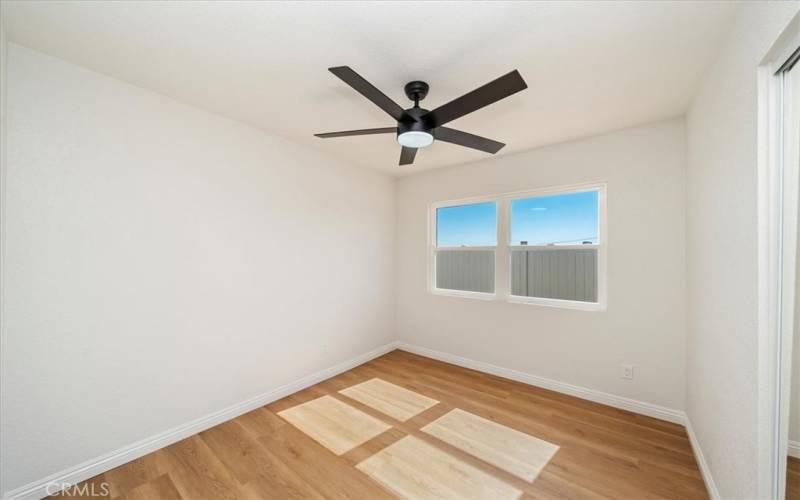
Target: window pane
555,273
467,225
564,219
468,270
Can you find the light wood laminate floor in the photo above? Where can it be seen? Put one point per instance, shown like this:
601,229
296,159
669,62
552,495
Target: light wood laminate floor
793,479
602,452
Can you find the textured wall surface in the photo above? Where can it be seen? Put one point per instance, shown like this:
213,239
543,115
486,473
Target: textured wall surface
644,323
163,263
722,368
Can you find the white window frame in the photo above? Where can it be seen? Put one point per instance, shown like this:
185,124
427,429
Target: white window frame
432,248
502,251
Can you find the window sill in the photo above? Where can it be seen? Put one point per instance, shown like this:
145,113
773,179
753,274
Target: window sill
514,299
463,294
558,303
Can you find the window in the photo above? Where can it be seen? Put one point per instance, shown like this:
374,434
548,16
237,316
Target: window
541,247
554,246
466,237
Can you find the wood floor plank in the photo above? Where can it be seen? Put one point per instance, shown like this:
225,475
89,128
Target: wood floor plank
261,422
793,478
281,483
373,446
198,473
413,469
126,477
334,424
516,452
393,400
552,486
605,453
248,461
160,488
329,474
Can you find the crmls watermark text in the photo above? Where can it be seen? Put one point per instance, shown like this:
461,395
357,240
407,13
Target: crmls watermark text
78,490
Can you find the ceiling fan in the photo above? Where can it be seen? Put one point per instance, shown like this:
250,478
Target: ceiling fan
418,127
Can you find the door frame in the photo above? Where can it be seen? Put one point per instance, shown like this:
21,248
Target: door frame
778,193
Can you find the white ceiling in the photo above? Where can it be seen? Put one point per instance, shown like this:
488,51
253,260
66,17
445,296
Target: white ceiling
590,66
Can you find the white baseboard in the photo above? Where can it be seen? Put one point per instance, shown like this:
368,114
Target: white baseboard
91,468
649,409
711,486
794,449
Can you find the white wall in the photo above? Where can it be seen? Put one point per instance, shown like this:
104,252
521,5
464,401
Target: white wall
645,321
722,367
794,389
164,263
794,401
3,149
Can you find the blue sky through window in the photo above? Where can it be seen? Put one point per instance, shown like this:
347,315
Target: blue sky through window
562,219
467,225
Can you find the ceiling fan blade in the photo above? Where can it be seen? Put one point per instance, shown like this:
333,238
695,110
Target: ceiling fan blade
365,131
492,92
465,139
407,155
350,77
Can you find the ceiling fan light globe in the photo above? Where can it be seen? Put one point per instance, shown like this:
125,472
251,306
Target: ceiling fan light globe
415,139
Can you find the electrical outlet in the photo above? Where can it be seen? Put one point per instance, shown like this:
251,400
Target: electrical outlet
627,372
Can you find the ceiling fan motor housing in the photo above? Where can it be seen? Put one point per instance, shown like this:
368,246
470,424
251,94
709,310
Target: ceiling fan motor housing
416,124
